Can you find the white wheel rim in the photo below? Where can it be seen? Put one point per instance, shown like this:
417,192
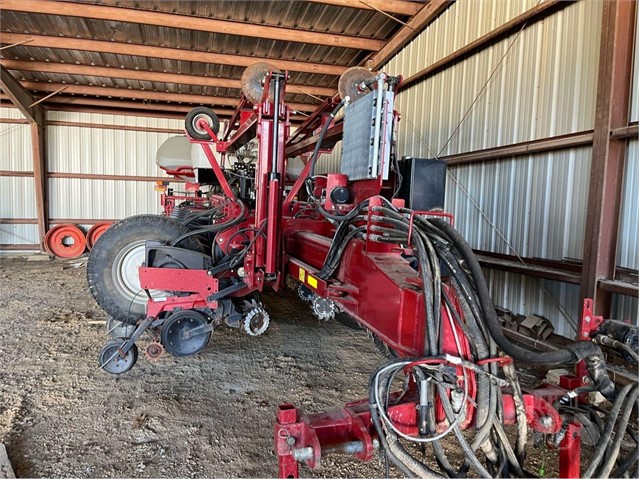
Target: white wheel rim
126,276
197,119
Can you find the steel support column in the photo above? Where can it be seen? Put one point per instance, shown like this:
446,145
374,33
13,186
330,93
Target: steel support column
39,149
608,153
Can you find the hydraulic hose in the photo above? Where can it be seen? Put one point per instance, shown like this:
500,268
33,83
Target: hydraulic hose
434,241
215,227
318,145
611,456
375,419
632,458
607,434
608,341
490,316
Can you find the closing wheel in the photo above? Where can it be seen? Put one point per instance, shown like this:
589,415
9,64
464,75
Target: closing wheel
112,268
182,333
305,293
350,80
112,361
201,113
256,321
253,81
323,308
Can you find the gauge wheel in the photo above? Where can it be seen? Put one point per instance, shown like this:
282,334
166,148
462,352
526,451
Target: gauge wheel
174,331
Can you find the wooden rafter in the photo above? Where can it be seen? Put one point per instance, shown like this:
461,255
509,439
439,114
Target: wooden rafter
130,105
189,22
20,97
152,76
122,107
415,25
164,53
146,95
400,7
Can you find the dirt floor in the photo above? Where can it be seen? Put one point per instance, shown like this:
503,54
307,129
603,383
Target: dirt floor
208,415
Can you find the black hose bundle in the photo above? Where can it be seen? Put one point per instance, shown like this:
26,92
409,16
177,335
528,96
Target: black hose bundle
435,242
215,227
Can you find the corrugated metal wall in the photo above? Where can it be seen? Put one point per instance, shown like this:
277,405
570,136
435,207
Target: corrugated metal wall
533,203
107,152
16,193
543,84
628,248
634,110
74,149
330,162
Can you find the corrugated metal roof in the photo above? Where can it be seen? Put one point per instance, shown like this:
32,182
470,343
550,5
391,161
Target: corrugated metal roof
308,16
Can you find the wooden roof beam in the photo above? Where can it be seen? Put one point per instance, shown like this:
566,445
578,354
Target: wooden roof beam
152,76
146,95
400,7
189,22
415,26
129,104
163,53
21,98
124,107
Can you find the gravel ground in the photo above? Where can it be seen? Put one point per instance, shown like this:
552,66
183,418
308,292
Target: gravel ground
208,415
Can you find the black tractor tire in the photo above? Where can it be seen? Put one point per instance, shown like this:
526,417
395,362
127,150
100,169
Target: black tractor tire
115,257
192,117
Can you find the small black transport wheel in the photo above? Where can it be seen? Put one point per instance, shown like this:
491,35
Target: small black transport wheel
193,118
174,333
112,361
